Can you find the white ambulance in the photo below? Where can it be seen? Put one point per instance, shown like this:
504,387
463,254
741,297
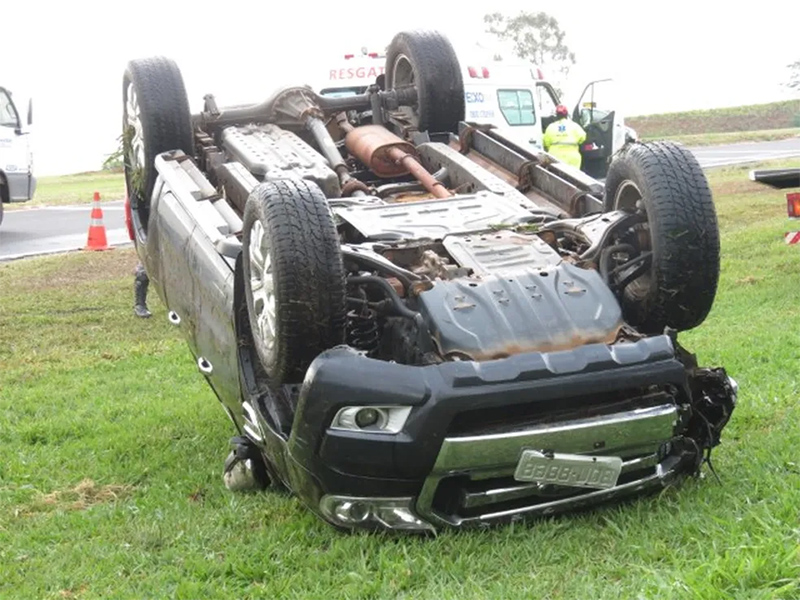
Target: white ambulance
352,74
514,98
17,183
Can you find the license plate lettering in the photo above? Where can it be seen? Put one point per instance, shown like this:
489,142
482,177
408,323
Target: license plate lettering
573,470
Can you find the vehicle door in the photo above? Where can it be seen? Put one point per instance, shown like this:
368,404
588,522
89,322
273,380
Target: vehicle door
480,104
15,154
197,286
546,102
605,129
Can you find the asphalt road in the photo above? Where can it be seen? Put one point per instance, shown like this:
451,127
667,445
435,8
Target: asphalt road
47,230
60,229
732,154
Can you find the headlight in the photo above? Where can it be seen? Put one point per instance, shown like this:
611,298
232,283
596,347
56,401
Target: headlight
372,513
374,419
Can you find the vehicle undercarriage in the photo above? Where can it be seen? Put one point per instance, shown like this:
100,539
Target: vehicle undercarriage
412,321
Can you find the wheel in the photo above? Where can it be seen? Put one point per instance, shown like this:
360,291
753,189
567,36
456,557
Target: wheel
427,60
155,119
4,195
293,277
664,182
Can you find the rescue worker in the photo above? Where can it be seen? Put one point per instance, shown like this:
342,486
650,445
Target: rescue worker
563,138
141,281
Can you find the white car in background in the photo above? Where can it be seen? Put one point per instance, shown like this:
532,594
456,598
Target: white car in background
17,183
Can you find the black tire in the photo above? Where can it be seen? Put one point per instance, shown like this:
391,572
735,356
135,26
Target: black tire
307,276
665,180
429,58
165,125
5,196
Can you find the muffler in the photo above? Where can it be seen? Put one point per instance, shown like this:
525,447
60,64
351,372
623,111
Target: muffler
387,155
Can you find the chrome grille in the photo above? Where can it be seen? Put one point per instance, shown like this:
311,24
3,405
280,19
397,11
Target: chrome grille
472,479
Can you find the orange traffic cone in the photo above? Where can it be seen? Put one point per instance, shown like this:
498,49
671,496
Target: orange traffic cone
97,231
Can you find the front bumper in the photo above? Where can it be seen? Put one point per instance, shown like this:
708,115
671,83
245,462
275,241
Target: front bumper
21,186
473,478
472,482
454,462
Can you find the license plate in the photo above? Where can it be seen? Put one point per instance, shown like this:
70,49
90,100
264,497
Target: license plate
574,470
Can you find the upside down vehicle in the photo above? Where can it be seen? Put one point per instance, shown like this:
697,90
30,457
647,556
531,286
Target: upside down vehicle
414,322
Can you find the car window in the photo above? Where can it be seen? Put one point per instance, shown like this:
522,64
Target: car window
597,102
517,106
592,115
8,115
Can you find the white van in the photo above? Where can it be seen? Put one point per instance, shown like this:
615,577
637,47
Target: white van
352,74
517,100
17,183
512,97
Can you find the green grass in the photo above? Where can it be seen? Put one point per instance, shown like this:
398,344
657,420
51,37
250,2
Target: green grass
111,446
733,137
754,117
75,189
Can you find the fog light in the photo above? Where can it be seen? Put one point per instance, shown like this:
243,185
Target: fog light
367,417
372,419
372,513
351,511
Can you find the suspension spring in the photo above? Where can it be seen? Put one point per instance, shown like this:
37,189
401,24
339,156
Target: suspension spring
362,330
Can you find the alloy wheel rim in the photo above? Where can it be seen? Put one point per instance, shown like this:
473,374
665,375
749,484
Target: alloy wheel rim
403,76
262,288
629,197
134,139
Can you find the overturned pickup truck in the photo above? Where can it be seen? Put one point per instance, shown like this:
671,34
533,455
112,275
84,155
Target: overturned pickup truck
414,323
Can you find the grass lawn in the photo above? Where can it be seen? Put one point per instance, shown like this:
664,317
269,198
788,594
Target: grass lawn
753,117
75,189
111,447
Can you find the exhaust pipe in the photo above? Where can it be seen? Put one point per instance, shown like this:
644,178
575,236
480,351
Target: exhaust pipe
387,155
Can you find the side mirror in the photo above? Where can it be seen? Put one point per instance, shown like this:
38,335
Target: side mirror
30,112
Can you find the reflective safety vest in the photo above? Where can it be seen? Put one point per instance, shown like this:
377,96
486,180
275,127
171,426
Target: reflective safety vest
562,139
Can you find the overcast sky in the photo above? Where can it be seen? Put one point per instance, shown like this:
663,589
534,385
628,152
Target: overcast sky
664,56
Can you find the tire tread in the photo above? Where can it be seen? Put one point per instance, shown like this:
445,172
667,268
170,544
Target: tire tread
684,229
166,120
440,86
309,274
